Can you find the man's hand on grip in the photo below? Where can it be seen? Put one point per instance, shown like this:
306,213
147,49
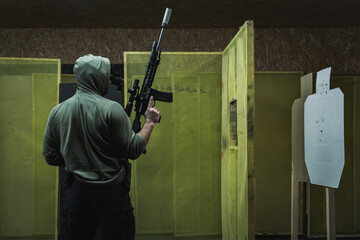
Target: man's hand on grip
152,114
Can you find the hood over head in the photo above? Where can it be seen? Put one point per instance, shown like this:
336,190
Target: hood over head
92,73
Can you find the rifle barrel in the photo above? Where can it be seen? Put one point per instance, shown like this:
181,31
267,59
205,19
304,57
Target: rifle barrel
164,24
158,43
166,18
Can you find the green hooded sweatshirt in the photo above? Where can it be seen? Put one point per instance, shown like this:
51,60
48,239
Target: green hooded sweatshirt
89,134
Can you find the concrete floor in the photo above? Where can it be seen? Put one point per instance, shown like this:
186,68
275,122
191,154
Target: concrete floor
28,238
168,237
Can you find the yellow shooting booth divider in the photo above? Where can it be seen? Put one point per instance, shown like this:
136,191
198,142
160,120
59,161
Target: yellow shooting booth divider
176,184
28,91
237,136
191,171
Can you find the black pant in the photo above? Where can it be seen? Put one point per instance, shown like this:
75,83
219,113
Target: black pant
106,210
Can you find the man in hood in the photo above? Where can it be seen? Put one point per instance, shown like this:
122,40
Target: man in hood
91,136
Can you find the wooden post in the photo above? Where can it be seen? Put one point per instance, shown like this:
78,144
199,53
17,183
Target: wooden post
298,171
294,206
330,214
308,209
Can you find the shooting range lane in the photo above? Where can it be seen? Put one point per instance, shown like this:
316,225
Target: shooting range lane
176,184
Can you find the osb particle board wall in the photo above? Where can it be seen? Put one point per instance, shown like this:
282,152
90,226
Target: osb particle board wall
282,49
308,50
69,44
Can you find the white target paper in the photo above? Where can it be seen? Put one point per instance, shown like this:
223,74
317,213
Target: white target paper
324,133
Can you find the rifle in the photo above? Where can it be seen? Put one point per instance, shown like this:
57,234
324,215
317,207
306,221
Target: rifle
142,98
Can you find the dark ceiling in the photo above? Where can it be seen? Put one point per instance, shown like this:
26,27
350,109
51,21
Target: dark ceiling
186,13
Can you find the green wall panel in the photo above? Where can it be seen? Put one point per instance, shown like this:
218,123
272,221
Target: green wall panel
274,97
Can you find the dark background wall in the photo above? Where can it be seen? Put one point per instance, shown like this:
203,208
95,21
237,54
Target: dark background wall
276,49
